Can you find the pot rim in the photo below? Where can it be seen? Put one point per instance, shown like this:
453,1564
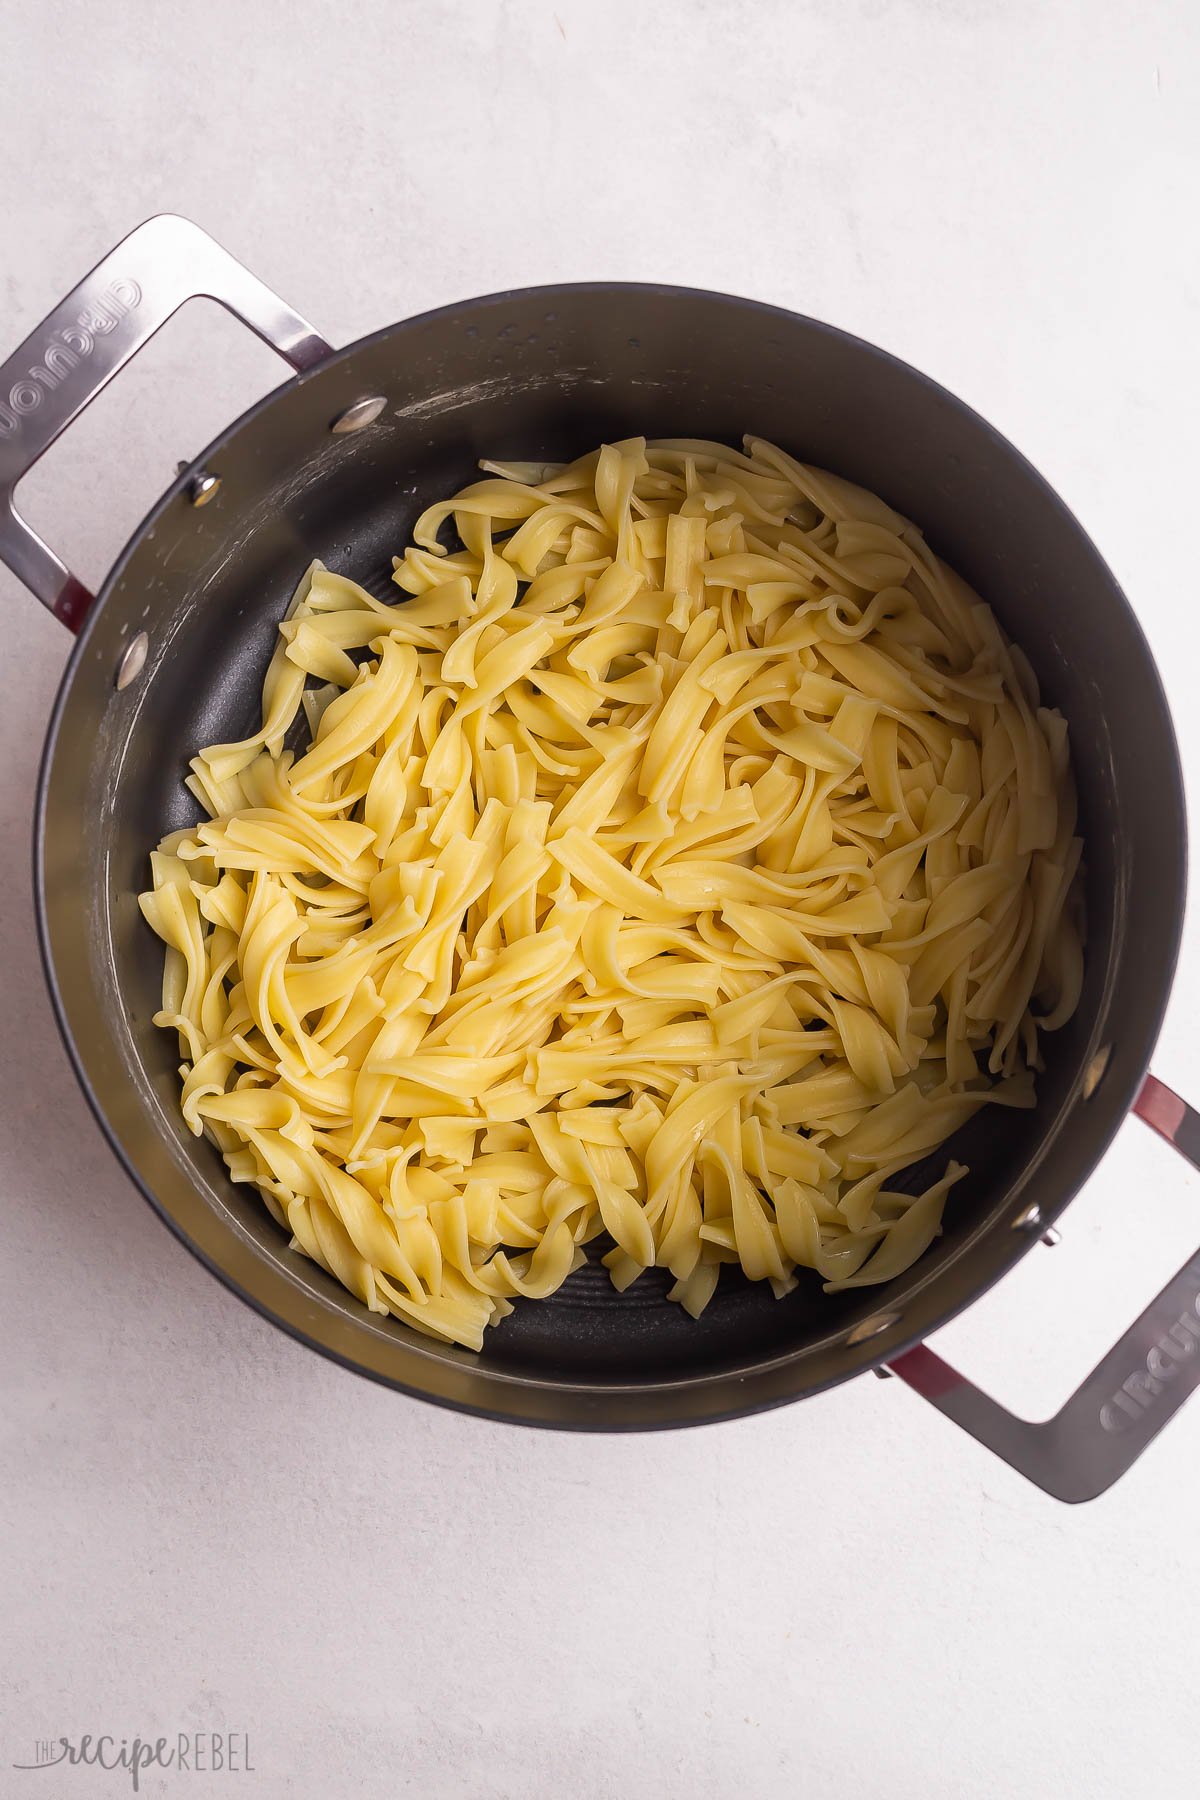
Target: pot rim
620,1405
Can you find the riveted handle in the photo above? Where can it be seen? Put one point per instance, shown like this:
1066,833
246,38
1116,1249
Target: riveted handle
78,349
1130,1394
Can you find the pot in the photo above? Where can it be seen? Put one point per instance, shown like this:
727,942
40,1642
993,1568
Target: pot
336,464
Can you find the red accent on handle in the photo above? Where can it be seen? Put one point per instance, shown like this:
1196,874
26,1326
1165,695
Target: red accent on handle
1161,1109
74,604
924,1370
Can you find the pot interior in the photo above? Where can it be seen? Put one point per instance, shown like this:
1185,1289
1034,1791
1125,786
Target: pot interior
548,374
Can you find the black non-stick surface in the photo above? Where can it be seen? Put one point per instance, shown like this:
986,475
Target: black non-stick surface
587,1327
547,376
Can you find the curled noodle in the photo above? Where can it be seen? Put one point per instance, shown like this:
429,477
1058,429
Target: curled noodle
685,855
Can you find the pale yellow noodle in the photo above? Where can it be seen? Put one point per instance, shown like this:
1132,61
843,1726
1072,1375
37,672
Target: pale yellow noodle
687,855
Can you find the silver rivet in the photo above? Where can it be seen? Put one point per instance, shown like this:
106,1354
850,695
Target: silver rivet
133,661
1093,1075
202,489
1030,1219
362,413
869,1328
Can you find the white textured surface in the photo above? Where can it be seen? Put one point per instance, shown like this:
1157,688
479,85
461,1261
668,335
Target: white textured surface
203,1525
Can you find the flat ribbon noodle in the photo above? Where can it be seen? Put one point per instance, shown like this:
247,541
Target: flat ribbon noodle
685,854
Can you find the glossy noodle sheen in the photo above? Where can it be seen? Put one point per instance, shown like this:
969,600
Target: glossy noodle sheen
685,856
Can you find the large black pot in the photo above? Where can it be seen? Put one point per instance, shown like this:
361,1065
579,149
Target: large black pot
313,471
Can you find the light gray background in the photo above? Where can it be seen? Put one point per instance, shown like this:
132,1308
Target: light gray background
203,1526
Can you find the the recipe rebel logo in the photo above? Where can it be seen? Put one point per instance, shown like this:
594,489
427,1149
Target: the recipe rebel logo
187,1753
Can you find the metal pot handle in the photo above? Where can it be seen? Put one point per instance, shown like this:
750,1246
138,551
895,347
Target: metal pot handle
93,333
1130,1394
